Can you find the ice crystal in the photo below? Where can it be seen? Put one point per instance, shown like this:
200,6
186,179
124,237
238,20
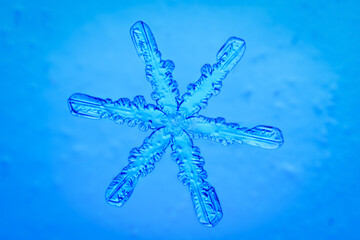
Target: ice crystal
174,120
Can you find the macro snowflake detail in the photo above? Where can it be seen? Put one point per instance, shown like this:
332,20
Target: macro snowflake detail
175,120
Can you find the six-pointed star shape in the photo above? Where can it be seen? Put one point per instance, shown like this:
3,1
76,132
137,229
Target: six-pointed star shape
174,120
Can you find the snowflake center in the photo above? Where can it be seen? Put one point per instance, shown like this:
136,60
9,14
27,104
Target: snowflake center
177,120
175,123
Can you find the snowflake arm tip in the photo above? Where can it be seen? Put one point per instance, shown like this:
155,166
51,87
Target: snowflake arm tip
230,54
144,42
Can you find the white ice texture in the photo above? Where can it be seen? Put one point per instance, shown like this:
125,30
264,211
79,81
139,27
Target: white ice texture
174,120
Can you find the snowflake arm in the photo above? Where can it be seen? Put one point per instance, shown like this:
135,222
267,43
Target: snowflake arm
210,82
158,71
120,111
141,162
192,174
218,130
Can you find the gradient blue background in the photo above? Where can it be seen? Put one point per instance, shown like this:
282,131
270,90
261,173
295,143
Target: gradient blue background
300,72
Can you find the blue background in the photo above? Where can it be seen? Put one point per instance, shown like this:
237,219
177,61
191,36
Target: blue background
300,73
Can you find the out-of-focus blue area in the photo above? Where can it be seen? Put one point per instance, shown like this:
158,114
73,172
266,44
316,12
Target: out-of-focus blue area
300,73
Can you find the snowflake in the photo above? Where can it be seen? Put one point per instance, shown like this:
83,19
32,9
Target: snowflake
174,120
